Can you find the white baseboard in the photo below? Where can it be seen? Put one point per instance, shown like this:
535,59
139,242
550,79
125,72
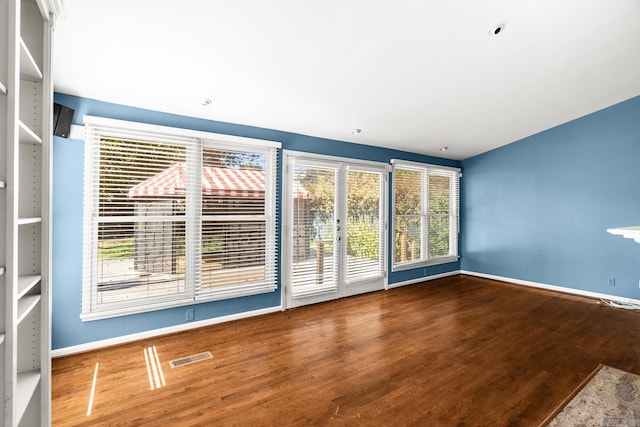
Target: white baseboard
94,345
552,287
66,351
423,279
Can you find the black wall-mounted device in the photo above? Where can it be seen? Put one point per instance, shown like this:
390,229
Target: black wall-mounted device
62,118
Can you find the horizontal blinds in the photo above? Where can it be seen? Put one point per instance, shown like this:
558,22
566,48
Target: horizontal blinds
426,201
364,225
439,213
139,235
238,220
171,219
408,214
313,228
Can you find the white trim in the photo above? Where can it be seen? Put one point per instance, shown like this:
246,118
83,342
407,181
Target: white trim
169,301
424,279
555,288
310,157
66,351
627,232
193,142
51,7
421,166
182,132
311,290
94,345
342,165
425,171
410,265
76,132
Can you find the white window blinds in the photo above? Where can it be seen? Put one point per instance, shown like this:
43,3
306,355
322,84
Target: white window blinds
365,225
425,214
173,217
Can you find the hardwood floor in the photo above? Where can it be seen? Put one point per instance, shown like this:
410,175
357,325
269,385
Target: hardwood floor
459,351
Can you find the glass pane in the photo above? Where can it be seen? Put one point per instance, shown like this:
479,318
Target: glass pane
439,194
313,227
407,185
407,188
439,207
139,260
438,235
233,253
408,237
363,225
233,182
141,178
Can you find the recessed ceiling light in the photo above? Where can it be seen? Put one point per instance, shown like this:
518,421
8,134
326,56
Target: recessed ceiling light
494,31
443,149
356,131
206,102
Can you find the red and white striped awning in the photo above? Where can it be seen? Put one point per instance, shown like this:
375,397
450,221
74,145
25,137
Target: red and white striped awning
215,182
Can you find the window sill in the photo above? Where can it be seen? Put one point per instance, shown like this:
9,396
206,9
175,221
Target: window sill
422,263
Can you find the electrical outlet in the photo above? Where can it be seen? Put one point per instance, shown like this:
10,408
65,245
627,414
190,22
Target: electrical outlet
612,281
191,314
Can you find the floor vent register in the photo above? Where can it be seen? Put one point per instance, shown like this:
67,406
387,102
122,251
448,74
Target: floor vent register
190,359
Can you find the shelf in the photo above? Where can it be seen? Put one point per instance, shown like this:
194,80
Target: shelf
627,232
26,283
27,384
25,305
27,135
29,69
33,220
26,101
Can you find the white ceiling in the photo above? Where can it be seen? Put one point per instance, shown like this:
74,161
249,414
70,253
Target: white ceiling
414,75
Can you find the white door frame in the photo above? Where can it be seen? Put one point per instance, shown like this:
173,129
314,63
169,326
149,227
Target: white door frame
343,288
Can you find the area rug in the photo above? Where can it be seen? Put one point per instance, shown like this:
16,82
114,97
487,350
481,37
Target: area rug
608,397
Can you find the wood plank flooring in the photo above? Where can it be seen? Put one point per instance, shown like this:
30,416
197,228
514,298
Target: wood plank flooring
458,351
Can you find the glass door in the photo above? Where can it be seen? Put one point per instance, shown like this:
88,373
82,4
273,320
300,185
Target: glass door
334,242
365,225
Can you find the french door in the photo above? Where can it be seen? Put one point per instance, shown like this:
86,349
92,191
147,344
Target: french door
334,242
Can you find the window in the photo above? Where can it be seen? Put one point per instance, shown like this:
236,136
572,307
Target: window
174,217
425,214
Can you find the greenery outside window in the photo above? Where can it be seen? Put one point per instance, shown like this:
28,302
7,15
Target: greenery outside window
425,214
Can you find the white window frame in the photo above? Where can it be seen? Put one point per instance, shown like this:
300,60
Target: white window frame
454,214
98,127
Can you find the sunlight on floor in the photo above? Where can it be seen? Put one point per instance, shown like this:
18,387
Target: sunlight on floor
154,368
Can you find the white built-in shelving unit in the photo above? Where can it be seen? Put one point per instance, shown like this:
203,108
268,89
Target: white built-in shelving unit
26,105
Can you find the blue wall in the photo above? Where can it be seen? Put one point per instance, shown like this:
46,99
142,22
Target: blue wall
538,209
68,162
